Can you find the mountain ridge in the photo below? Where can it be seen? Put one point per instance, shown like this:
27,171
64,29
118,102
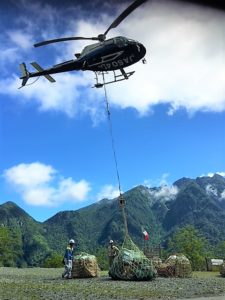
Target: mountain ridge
159,210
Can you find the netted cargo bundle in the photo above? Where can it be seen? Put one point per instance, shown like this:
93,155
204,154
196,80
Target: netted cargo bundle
85,266
156,261
131,263
165,270
222,270
182,265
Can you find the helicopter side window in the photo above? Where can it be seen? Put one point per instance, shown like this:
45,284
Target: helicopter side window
109,42
89,48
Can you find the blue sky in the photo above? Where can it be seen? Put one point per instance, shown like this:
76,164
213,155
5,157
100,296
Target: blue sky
168,118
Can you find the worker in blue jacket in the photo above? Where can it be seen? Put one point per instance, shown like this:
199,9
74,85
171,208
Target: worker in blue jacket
68,260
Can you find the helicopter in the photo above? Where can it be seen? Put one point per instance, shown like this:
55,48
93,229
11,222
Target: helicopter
102,57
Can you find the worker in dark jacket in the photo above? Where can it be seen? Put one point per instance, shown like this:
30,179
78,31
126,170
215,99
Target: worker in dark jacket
112,252
68,260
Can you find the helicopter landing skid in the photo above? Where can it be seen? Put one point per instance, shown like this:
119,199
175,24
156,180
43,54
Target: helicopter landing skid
117,78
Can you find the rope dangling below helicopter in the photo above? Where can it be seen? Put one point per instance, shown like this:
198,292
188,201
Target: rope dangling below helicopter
121,198
111,135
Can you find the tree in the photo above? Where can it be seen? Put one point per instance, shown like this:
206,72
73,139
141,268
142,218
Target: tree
36,249
102,258
54,260
189,242
11,252
220,250
4,245
17,247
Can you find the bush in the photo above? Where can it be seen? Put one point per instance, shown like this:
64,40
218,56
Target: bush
102,258
53,261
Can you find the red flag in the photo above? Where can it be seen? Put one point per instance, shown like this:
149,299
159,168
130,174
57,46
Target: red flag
146,236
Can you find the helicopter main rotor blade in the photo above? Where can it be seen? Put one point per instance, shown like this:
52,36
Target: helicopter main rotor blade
63,40
124,14
101,37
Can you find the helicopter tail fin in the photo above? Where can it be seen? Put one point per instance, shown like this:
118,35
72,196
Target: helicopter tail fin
40,69
25,74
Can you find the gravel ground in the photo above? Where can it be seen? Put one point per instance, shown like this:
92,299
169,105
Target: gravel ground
38,283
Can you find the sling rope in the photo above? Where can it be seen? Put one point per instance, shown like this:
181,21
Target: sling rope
111,135
121,199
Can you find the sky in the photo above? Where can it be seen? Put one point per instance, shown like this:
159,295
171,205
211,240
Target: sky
168,119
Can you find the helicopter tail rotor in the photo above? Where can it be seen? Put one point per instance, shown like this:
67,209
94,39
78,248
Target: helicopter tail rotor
25,75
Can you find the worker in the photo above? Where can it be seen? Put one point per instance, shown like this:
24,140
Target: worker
112,252
68,260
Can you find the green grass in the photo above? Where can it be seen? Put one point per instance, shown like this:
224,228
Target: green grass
104,273
47,284
206,274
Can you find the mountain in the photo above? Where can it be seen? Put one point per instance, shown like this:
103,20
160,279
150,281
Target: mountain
159,210
12,215
199,202
25,231
96,224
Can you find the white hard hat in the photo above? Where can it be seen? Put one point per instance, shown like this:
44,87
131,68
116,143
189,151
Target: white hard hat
71,241
111,242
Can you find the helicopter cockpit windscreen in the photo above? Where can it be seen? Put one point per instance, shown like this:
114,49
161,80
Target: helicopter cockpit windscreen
89,48
121,41
132,41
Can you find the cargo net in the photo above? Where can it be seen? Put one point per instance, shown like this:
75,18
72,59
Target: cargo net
177,265
85,266
131,263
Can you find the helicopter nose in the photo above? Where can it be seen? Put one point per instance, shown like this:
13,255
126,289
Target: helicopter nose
141,49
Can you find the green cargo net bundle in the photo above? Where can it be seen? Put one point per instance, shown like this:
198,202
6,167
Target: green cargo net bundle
131,263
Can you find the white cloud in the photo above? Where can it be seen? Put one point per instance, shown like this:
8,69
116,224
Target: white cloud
211,190
62,96
8,55
108,191
21,39
39,196
185,53
161,181
68,189
29,175
211,174
222,196
164,192
38,185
